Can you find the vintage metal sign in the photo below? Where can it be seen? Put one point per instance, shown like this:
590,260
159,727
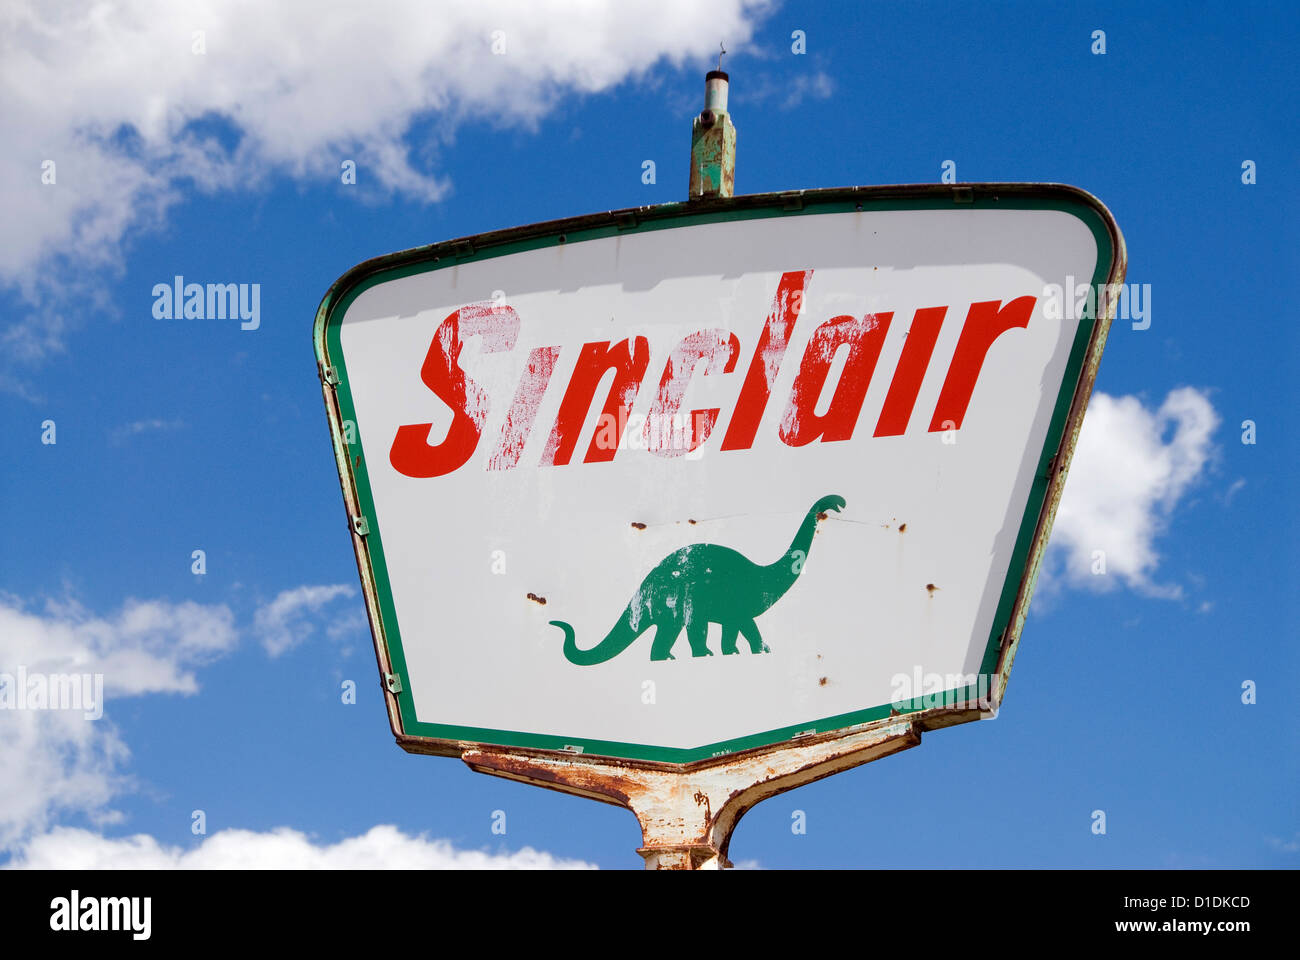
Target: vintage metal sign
670,483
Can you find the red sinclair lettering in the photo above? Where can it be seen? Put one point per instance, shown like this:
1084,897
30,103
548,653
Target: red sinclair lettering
519,420
411,454
629,363
766,364
985,322
918,346
864,338
713,348
711,352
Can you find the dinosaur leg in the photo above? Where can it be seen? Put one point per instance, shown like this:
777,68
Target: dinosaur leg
729,635
697,634
667,631
750,631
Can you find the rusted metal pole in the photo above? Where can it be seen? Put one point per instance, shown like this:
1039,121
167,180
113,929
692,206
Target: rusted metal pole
713,142
687,814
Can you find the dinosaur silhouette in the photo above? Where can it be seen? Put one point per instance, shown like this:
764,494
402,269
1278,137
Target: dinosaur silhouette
701,584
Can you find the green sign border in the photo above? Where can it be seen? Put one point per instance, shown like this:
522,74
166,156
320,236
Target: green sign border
1034,527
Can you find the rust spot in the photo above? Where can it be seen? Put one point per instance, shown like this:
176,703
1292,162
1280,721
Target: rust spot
902,528
701,799
821,682
536,599
930,587
822,515
692,522
582,779
819,656
638,525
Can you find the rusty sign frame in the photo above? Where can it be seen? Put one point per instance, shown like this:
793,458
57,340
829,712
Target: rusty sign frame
550,759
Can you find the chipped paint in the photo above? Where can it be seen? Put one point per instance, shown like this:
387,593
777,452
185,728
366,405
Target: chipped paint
766,363
864,337
523,410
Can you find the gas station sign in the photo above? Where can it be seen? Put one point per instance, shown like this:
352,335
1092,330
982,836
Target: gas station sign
670,483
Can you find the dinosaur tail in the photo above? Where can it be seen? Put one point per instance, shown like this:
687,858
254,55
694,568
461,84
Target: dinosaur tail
615,642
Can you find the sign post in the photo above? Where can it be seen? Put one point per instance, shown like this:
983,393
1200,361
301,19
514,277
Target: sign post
680,507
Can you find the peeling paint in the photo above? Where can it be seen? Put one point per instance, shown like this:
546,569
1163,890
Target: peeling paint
523,411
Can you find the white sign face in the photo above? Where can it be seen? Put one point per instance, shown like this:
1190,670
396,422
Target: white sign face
714,481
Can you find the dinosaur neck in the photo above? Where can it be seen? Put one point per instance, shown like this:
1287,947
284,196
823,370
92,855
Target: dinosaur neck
780,576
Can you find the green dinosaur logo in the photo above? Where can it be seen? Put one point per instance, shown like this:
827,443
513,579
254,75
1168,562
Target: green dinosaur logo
701,584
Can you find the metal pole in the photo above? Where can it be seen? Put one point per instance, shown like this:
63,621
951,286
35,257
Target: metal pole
687,814
713,142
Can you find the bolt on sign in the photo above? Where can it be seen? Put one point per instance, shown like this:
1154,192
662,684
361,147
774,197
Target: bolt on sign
673,484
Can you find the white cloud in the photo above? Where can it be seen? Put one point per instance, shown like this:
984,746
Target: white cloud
817,85
55,763
1131,468
147,647
381,847
285,622
128,430
131,116
1286,846
788,92
59,761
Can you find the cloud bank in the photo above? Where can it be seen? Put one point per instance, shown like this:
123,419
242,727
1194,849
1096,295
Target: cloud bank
112,112
59,762
1132,467
381,847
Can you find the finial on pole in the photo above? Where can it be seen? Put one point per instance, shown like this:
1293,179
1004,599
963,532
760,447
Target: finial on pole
713,140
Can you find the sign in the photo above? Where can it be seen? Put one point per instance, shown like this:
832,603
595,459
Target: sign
673,482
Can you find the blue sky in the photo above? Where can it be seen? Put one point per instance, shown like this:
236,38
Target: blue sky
179,435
